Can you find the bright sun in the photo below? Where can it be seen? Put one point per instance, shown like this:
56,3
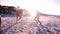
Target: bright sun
45,6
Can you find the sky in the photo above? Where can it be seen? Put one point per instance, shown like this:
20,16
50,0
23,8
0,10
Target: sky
43,6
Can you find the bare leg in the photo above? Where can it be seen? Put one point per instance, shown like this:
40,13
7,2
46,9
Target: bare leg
19,18
37,20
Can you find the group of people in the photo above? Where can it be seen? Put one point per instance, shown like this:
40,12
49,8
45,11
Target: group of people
19,14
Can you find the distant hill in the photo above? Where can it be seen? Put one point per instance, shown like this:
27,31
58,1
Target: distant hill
6,9
42,14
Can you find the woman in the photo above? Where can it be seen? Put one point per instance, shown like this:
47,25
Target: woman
37,18
18,13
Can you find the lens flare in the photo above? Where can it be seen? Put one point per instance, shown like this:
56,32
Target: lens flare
32,13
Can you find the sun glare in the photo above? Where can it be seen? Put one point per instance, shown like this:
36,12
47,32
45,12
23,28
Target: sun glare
33,14
46,6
